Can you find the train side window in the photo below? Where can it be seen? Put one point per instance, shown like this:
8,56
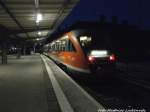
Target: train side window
63,45
71,47
57,46
66,45
53,47
49,47
46,48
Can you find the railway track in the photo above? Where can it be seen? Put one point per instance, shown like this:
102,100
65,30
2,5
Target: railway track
115,93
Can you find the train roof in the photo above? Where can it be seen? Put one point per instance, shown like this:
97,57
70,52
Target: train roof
92,26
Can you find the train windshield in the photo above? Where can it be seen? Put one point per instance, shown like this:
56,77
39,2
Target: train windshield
96,41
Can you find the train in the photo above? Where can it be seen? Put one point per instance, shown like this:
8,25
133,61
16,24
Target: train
82,50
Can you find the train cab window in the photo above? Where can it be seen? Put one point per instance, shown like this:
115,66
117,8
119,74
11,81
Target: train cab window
94,40
85,42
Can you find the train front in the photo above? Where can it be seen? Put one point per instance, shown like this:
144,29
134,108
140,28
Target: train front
97,50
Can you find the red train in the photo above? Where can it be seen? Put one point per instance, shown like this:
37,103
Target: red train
81,50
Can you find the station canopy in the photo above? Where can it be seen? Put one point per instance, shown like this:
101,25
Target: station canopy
33,19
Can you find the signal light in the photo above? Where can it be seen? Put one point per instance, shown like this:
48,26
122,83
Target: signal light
112,58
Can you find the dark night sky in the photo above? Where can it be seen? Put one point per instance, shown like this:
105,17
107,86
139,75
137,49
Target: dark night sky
137,12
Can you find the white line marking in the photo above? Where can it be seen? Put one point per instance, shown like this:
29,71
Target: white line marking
61,98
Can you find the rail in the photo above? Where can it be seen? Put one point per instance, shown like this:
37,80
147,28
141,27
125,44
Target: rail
136,73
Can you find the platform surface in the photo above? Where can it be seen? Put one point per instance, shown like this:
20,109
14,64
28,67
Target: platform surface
23,87
36,84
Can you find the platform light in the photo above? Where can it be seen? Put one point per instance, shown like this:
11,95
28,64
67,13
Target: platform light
37,39
39,17
39,33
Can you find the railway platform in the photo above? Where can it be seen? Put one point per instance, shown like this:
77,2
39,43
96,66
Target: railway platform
36,84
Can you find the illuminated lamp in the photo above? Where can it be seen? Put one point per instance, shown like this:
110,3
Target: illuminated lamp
39,18
112,58
39,33
91,58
